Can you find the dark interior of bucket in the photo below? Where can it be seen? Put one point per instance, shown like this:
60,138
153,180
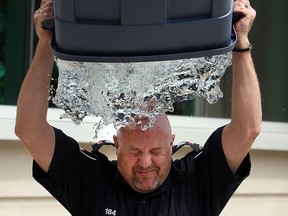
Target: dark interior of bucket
141,30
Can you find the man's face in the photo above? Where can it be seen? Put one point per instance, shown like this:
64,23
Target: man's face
144,157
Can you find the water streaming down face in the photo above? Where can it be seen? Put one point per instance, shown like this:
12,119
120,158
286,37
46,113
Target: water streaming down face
118,92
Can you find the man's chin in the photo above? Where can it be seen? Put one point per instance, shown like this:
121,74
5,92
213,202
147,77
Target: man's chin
144,190
146,187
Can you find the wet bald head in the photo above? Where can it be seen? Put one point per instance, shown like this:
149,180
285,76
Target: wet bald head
145,156
161,127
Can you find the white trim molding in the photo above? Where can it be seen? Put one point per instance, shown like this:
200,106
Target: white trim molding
274,135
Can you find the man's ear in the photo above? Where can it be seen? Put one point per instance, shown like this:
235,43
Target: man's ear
116,143
172,141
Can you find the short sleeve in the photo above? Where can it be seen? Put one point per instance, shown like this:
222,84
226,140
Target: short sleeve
74,175
216,180
62,170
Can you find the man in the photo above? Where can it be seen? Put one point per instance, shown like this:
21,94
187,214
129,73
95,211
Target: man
144,180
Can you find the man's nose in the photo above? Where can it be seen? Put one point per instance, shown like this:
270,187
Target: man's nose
145,160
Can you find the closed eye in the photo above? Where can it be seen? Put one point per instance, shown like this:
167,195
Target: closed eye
135,152
156,151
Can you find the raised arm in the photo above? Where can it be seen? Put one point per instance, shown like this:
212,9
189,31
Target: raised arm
31,125
245,125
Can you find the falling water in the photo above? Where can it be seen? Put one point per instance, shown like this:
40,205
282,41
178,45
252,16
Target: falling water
118,92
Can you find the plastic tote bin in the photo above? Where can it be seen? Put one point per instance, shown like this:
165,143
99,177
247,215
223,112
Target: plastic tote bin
141,30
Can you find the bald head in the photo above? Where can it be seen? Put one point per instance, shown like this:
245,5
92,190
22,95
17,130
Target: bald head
161,127
145,156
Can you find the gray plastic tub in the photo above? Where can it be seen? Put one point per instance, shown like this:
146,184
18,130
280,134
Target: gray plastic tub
141,30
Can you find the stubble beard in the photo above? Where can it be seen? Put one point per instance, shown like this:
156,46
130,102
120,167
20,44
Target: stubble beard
138,183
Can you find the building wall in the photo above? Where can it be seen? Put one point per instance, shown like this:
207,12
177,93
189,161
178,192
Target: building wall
264,193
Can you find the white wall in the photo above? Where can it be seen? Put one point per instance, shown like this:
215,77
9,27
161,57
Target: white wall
264,193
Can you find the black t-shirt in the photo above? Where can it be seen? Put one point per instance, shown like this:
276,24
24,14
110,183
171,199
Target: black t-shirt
87,185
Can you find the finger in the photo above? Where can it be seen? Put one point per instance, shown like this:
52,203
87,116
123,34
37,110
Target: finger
43,2
46,8
40,17
44,12
241,5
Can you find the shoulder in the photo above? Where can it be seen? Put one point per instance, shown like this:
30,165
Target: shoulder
69,152
199,155
187,161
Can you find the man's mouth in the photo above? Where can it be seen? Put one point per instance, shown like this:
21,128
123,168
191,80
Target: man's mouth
145,173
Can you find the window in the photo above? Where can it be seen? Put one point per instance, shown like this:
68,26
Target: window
14,47
3,15
17,45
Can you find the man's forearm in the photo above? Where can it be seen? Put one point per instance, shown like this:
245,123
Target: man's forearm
246,99
32,102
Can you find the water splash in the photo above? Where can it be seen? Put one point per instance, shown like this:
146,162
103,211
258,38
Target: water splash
118,92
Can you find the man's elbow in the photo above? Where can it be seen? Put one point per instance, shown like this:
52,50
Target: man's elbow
247,132
253,126
20,130
23,131
254,131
